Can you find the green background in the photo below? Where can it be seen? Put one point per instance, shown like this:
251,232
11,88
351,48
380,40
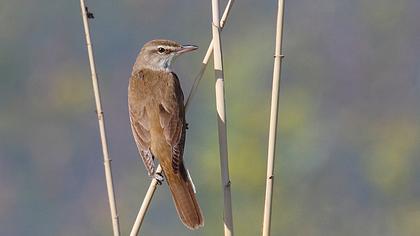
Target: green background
349,123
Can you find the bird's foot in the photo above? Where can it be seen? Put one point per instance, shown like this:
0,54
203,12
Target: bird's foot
159,178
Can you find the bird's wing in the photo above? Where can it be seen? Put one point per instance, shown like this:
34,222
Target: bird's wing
141,131
172,119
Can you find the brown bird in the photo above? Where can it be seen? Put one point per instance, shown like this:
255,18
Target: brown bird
157,116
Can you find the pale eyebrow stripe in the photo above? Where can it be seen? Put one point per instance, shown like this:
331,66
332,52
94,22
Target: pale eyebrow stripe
166,47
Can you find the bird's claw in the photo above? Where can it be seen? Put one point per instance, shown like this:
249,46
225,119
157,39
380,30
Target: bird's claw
159,178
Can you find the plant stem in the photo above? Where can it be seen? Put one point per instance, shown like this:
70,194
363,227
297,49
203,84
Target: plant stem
101,121
146,203
206,59
273,120
221,115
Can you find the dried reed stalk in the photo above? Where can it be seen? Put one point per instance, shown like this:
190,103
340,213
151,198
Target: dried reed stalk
206,59
221,115
273,120
146,203
101,121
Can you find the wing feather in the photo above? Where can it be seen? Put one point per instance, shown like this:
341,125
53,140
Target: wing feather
140,127
172,119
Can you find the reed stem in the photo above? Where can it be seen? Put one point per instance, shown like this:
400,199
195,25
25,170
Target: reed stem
101,122
273,120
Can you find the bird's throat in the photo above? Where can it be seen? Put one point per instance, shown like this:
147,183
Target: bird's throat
164,64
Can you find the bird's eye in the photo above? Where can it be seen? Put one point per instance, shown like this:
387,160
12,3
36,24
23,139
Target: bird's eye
161,50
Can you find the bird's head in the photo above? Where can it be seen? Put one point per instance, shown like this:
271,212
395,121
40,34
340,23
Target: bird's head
159,54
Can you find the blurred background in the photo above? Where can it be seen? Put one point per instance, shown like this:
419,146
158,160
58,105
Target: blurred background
348,155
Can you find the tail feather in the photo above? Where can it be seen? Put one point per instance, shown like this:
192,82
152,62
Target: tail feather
184,197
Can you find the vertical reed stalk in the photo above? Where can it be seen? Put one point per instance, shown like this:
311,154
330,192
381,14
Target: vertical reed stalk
152,187
221,110
208,54
101,121
273,120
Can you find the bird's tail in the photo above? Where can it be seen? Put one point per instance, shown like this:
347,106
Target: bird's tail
184,197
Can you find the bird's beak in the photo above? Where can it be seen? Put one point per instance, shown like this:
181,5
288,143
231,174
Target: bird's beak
186,48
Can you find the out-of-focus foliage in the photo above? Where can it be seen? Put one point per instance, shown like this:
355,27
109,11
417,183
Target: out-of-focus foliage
348,153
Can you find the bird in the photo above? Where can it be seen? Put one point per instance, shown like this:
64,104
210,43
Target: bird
157,118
